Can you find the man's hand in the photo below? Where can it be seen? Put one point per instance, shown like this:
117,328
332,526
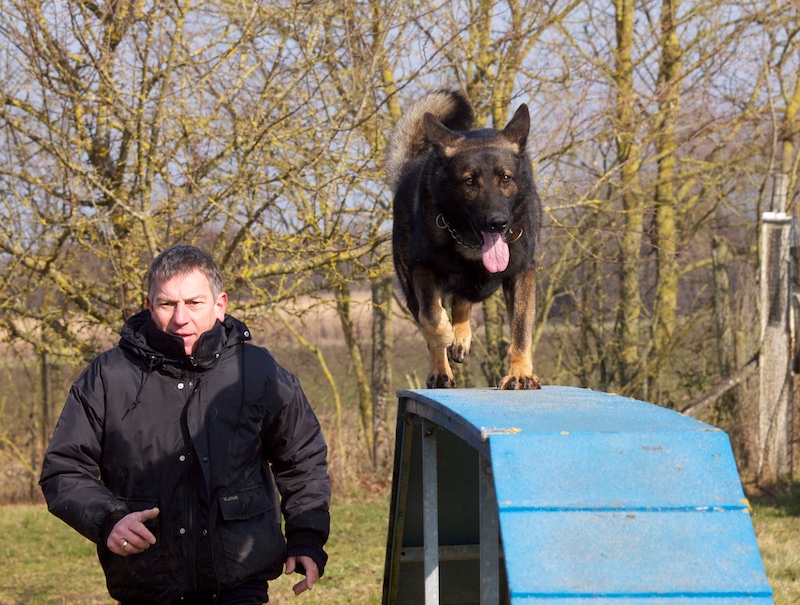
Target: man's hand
312,572
130,536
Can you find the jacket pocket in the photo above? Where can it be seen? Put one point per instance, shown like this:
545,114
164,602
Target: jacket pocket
136,506
128,575
250,535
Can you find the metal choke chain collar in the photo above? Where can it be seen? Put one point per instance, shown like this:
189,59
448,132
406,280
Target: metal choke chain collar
442,223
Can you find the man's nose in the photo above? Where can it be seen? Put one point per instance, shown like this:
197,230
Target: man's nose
179,315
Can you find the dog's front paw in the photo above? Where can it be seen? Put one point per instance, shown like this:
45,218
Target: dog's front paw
440,381
462,340
518,383
459,351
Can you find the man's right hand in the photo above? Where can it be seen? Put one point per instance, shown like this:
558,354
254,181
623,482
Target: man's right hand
130,536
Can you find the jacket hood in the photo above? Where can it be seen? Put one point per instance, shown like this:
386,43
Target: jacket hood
142,337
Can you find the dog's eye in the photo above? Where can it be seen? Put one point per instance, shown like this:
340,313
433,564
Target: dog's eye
469,181
506,179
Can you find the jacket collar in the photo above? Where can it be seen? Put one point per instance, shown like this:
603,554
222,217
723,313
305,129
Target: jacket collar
144,336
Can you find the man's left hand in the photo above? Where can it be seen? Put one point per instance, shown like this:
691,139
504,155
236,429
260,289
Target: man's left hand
312,572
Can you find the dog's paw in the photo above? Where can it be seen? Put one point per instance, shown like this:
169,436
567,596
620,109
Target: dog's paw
519,383
440,381
462,341
458,352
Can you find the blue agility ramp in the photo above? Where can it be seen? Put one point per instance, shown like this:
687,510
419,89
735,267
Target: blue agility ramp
564,496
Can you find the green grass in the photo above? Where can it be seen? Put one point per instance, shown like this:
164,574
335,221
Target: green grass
356,553
45,562
777,525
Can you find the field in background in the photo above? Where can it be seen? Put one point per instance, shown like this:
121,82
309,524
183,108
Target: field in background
22,438
46,563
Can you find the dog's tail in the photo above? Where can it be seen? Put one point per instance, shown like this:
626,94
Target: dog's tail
408,140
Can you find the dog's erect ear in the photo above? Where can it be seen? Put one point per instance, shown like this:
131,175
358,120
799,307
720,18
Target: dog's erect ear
444,140
516,131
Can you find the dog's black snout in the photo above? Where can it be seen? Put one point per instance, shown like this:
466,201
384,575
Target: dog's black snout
497,224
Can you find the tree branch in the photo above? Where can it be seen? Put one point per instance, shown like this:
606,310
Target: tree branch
723,387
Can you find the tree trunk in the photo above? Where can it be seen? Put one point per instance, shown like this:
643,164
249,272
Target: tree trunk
665,240
788,133
39,446
628,160
356,359
494,362
728,409
720,256
382,359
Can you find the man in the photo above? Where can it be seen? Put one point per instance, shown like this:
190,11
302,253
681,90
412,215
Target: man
171,446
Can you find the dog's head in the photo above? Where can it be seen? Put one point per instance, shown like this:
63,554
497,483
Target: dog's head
483,176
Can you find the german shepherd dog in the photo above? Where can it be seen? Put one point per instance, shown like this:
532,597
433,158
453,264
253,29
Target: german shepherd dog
466,221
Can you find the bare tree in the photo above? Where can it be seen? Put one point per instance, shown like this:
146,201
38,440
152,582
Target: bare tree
125,127
258,129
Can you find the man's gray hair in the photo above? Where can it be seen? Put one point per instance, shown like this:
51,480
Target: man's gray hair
182,259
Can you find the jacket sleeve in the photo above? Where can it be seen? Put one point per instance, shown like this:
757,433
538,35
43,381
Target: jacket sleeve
296,449
70,476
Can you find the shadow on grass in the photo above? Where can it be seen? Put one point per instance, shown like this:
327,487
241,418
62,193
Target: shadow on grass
784,504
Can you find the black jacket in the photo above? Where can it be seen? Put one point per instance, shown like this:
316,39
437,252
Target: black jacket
206,438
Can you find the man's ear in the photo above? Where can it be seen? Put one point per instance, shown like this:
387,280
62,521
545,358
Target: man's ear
222,304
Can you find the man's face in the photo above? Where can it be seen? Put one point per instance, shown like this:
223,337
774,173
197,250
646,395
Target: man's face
185,306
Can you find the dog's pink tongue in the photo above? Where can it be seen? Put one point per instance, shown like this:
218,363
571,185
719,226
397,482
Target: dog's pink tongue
495,252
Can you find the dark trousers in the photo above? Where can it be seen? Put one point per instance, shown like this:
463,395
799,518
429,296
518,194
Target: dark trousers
203,600
250,592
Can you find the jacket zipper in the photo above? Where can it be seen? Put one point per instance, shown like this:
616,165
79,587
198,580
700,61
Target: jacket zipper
191,485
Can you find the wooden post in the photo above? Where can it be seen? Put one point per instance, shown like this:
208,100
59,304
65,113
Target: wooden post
775,363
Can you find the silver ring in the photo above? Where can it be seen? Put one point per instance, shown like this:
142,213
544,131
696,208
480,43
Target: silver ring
124,544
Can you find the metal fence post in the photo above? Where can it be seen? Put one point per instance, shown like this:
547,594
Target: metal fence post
430,512
489,536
